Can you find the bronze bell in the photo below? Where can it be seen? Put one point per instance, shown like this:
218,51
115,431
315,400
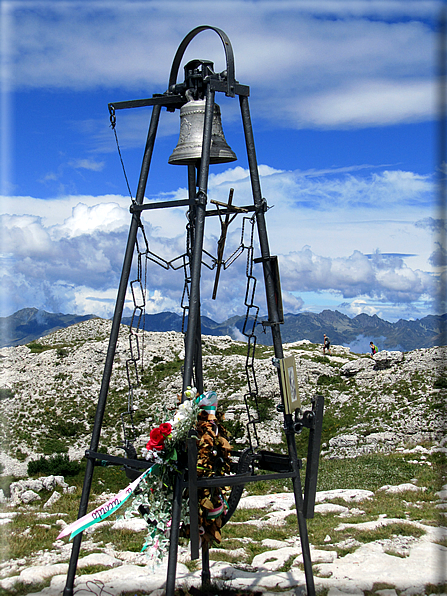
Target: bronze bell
189,146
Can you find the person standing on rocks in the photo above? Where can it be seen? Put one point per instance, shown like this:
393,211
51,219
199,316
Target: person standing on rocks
374,349
326,345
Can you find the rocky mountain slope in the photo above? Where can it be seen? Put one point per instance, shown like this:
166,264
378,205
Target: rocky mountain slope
376,528
29,324
49,391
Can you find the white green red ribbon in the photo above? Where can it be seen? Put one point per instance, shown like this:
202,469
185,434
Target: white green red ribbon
103,511
207,401
214,513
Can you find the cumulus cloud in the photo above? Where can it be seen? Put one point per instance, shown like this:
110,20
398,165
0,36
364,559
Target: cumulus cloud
66,253
438,258
382,277
310,63
87,164
432,224
67,267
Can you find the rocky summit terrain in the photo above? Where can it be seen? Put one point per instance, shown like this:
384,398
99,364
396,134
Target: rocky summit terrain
379,518
49,391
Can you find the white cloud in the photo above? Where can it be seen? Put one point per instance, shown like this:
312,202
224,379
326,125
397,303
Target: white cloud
369,103
104,217
385,279
67,253
320,64
87,164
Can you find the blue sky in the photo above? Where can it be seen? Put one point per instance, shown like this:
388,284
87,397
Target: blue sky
343,98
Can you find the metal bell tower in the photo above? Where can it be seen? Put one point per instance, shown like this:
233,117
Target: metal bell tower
195,98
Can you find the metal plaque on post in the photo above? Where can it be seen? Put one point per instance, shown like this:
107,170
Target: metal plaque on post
289,382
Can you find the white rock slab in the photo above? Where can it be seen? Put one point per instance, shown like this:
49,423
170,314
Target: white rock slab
369,564
348,495
256,580
278,501
274,559
28,496
269,543
53,499
330,508
345,592
136,524
318,556
35,575
401,488
127,578
9,582
99,559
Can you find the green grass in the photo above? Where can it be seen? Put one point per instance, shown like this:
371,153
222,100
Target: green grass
38,348
21,589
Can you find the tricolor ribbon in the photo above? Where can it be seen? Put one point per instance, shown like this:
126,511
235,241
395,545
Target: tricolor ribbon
208,401
103,511
214,513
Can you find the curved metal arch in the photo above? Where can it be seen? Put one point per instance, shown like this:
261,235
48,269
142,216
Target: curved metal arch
229,56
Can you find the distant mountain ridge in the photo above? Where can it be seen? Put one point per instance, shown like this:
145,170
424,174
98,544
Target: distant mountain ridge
29,324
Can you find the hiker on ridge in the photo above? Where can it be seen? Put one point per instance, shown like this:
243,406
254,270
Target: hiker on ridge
326,345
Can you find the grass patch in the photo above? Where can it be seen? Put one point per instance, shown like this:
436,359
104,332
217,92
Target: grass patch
38,348
22,537
21,589
382,532
6,393
370,472
243,515
91,569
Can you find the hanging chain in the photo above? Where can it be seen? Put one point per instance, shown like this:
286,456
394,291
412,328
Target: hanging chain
137,324
136,329
250,321
113,126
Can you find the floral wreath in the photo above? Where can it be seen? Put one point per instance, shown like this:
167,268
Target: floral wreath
166,448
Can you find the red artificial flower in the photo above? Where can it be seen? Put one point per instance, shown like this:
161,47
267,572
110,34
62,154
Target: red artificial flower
165,428
156,440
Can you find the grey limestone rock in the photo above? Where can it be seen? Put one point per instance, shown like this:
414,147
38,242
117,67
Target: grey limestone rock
386,359
352,368
53,499
28,496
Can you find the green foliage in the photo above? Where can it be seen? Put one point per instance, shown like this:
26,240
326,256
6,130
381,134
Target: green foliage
50,445
440,383
57,465
6,393
321,359
5,482
335,380
67,428
266,407
368,472
235,428
162,369
37,348
20,455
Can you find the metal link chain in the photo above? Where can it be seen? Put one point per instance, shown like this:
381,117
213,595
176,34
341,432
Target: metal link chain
136,329
251,397
138,292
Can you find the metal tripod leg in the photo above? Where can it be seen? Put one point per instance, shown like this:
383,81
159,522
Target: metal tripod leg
68,590
302,526
274,321
193,334
313,455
